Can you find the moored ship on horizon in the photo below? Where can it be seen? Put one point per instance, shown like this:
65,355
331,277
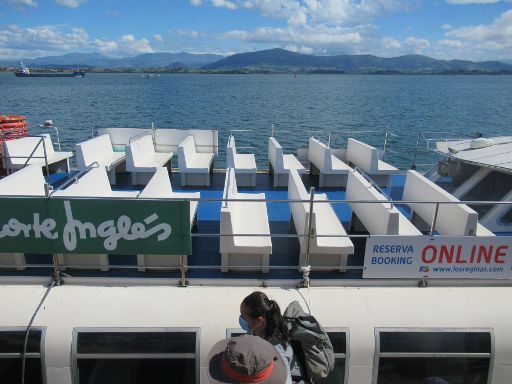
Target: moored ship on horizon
25,72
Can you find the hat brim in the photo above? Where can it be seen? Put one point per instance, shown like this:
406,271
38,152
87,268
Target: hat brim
217,376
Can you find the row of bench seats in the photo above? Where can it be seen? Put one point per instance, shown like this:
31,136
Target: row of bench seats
379,218
333,171
142,160
29,181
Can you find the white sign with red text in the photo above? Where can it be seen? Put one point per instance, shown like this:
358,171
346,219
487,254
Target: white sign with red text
438,257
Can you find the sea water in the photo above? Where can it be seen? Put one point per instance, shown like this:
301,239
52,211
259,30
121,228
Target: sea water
298,106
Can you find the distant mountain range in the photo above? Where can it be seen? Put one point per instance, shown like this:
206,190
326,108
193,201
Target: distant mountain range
267,61
98,60
283,60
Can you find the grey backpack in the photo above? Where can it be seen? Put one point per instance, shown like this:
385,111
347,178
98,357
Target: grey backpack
310,343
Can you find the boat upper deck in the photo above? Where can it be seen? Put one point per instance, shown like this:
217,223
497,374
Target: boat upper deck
334,217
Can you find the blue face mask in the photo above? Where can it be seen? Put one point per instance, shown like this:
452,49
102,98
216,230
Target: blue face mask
243,324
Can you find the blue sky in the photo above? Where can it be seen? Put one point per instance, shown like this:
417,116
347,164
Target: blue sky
444,29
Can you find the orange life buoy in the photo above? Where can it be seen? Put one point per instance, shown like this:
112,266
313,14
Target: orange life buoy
13,125
12,118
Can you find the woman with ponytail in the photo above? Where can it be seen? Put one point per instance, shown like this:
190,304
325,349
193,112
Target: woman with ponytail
260,316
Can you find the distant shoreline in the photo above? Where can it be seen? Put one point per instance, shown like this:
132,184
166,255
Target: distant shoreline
273,72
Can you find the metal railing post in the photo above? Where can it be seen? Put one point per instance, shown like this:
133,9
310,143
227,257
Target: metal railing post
385,142
310,223
46,161
329,140
4,157
434,219
183,272
413,166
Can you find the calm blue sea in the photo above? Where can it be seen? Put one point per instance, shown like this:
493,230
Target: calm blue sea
299,106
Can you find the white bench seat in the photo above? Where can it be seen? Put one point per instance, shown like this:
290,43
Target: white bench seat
159,187
452,219
94,183
18,151
142,160
366,157
332,171
240,218
99,149
282,164
194,167
377,218
244,164
323,251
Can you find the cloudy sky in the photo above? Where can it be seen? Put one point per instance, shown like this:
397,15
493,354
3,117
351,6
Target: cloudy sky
444,29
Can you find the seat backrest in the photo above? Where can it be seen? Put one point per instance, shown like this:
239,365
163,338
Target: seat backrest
159,186
378,218
232,210
275,154
319,154
186,151
300,210
93,183
23,147
452,219
230,152
363,155
138,150
89,151
28,181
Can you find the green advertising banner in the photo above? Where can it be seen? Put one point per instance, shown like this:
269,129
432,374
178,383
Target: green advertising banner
98,226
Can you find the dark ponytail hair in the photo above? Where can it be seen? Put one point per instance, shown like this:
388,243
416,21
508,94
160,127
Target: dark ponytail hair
258,305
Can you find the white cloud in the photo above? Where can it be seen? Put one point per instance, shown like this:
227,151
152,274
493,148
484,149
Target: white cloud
416,45
300,49
391,43
463,2
224,4
499,31
17,42
71,3
450,43
333,12
308,36
21,4
158,38
446,26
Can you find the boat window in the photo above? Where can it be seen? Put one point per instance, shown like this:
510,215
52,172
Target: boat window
456,356
338,339
11,350
136,355
507,217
